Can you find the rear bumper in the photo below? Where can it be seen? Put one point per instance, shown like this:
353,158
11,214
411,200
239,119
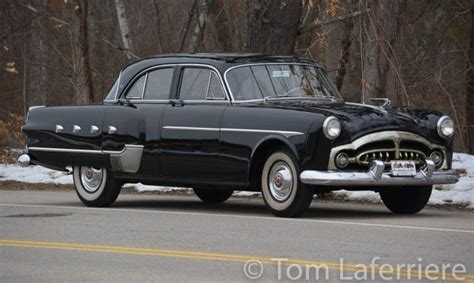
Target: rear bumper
376,177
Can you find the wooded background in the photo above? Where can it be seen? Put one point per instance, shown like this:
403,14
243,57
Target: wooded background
415,52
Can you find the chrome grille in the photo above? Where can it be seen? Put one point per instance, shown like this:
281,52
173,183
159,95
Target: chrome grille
386,146
387,155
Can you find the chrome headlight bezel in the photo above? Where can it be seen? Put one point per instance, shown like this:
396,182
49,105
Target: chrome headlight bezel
332,127
445,122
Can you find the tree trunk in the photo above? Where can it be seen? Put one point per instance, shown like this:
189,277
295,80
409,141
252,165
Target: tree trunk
38,74
200,25
124,30
470,91
273,26
84,87
345,52
379,74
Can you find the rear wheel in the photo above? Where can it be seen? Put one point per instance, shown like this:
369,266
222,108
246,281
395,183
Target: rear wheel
213,195
95,186
284,194
406,200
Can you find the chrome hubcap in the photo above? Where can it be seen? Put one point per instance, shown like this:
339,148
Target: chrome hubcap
91,178
280,181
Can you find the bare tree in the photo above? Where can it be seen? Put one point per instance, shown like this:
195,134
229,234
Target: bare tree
200,25
124,29
470,90
38,74
273,26
84,88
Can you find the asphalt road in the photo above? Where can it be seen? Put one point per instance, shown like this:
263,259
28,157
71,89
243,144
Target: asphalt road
50,236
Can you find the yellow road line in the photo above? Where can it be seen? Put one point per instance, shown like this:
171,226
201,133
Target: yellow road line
222,257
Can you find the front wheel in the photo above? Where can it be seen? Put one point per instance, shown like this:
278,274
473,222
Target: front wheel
284,194
406,200
95,187
213,195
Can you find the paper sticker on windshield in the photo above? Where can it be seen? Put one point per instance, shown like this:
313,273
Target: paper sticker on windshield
280,74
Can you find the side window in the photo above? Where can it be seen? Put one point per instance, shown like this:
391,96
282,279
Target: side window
158,84
243,84
194,84
215,90
135,92
200,84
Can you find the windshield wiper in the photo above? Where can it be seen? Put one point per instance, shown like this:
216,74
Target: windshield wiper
273,98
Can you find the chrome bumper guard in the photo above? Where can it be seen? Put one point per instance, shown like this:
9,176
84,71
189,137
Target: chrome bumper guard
376,177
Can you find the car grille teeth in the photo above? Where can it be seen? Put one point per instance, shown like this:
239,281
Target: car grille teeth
389,155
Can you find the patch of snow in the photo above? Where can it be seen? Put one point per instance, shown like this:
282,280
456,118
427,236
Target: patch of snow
33,174
461,193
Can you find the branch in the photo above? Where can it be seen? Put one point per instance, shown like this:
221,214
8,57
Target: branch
316,24
126,51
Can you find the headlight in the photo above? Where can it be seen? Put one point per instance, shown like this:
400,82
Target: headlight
331,127
445,127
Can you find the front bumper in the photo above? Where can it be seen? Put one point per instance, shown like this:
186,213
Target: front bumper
376,177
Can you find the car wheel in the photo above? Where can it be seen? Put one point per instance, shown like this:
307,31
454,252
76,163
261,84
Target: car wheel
213,195
406,200
95,186
284,194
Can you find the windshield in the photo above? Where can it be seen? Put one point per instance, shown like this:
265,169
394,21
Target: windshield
280,80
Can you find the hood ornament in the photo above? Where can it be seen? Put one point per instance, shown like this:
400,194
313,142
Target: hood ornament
384,103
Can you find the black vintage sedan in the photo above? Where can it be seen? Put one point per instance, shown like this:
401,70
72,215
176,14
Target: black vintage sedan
225,122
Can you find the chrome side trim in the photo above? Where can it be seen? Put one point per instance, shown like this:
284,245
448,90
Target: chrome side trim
191,128
284,133
376,177
65,150
381,136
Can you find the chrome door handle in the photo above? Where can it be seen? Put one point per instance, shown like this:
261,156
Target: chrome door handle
112,130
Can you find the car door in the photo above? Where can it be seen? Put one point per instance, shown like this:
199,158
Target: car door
191,126
131,127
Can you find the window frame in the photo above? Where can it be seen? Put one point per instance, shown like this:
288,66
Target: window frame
175,84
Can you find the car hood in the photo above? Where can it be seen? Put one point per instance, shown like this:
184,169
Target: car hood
361,119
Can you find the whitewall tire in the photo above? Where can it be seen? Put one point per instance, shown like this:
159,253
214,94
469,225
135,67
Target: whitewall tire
95,186
284,194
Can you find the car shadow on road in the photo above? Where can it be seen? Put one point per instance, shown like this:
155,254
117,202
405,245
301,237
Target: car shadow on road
326,210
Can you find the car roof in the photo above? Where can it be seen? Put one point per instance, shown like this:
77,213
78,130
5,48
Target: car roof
220,61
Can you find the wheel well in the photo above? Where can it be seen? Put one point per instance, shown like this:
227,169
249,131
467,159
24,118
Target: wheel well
259,157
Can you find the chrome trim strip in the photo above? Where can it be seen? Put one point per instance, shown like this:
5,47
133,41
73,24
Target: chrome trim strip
191,128
380,136
284,133
66,150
